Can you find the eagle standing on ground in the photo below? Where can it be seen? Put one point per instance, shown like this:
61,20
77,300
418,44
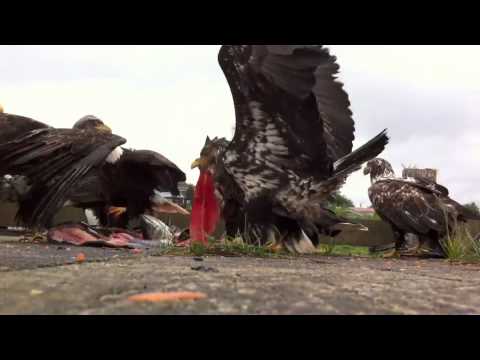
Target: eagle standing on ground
416,206
291,150
84,167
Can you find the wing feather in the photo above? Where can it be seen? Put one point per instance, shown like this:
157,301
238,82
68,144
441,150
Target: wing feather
54,160
410,208
146,165
301,70
293,122
13,126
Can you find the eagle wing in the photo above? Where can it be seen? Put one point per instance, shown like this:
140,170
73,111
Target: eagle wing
54,160
292,117
409,207
300,70
13,126
146,164
432,186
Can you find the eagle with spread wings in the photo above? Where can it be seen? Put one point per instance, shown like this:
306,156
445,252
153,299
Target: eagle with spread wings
291,150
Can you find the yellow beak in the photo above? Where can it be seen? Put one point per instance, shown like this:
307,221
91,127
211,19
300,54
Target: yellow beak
103,128
1,108
196,163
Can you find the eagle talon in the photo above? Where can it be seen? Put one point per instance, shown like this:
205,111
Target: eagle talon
389,254
34,238
275,247
116,211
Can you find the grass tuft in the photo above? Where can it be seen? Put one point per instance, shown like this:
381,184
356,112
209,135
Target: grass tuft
461,246
232,247
343,250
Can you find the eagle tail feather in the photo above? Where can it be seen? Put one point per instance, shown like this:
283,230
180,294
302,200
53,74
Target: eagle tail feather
299,243
363,154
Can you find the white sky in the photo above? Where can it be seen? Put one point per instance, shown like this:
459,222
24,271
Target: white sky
169,98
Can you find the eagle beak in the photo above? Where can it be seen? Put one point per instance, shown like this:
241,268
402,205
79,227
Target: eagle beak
197,163
366,171
103,128
1,109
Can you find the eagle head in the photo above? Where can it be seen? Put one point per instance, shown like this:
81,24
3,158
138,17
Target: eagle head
92,122
210,154
206,207
378,168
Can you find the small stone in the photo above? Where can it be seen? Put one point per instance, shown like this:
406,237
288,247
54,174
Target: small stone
35,292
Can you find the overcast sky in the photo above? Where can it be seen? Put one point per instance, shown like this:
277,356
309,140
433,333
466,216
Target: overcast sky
169,98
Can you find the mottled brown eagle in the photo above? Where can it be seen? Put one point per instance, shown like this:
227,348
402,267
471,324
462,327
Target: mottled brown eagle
292,146
416,206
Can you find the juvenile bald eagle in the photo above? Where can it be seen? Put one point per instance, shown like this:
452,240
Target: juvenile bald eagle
292,146
227,192
416,206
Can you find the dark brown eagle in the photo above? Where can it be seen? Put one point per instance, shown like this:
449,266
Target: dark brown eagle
137,184
292,146
83,166
54,160
416,206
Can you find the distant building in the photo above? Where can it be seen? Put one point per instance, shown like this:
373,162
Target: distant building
430,174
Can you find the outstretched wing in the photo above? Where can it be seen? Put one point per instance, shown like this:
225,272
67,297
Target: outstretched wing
13,126
54,160
300,70
291,114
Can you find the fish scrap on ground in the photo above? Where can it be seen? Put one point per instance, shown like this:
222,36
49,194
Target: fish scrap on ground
82,234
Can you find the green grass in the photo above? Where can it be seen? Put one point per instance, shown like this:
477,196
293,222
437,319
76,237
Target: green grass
228,248
454,248
461,246
344,250
238,248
